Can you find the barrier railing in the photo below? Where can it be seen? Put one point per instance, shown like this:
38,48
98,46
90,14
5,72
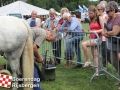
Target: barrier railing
112,62
60,43
108,51
112,66
68,36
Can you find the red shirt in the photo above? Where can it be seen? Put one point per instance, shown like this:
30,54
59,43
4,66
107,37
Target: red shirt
61,21
94,26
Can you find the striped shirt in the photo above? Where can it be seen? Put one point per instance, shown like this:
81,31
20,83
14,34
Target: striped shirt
48,23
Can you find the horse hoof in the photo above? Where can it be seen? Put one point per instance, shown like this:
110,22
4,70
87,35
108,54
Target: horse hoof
6,72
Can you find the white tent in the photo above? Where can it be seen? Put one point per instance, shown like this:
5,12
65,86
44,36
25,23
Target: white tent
21,7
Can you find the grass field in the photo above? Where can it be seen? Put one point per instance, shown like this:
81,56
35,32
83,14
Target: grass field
76,79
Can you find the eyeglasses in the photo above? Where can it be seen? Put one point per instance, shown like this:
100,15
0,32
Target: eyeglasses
108,11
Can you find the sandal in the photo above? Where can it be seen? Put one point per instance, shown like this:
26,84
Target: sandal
87,64
95,75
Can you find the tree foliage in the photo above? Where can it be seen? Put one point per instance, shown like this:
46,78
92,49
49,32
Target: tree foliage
5,2
58,4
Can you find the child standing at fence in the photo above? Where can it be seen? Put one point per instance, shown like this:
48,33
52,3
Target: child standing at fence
93,42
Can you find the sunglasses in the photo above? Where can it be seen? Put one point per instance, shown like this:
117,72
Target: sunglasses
108,11
99,9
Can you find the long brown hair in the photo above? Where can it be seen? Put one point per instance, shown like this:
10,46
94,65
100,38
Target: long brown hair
94,10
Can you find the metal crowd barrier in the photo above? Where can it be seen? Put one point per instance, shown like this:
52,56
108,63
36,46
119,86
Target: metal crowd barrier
63,36
106,57
68,35
112,62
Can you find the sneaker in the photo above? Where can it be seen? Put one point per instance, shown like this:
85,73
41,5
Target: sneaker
77,66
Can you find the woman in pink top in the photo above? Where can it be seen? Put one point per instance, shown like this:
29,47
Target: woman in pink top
92,42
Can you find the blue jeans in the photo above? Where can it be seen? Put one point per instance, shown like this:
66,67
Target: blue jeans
76,42
36,76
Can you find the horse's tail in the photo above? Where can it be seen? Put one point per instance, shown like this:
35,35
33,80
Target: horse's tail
28,59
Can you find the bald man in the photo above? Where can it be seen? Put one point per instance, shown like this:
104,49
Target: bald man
34,22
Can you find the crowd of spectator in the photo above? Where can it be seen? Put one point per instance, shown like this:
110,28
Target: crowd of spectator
100,17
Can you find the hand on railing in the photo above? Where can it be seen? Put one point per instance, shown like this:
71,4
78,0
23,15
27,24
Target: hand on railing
66,28
104,33
83,29
88,31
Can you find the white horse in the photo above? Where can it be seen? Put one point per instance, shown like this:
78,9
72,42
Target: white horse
16,40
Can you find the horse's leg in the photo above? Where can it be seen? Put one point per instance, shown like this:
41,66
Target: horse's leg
14,64
14,60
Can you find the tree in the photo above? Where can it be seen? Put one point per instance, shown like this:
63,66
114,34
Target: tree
58,4
5,2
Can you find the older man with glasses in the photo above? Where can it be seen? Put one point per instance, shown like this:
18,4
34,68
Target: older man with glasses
74,27
50,24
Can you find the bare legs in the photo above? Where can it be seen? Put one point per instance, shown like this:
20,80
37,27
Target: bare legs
92,44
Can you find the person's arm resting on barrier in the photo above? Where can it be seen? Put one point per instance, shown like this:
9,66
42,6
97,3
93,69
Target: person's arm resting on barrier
64,26
60,22
46,24
72,26
46,28
57,28
104,33
52,25
115,31
36,53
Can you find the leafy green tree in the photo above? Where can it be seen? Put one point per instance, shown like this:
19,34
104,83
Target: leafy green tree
5,2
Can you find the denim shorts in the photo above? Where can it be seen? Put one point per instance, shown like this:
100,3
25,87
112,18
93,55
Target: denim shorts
95,40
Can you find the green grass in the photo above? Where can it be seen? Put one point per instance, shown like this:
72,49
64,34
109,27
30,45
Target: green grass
78,79
75,79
